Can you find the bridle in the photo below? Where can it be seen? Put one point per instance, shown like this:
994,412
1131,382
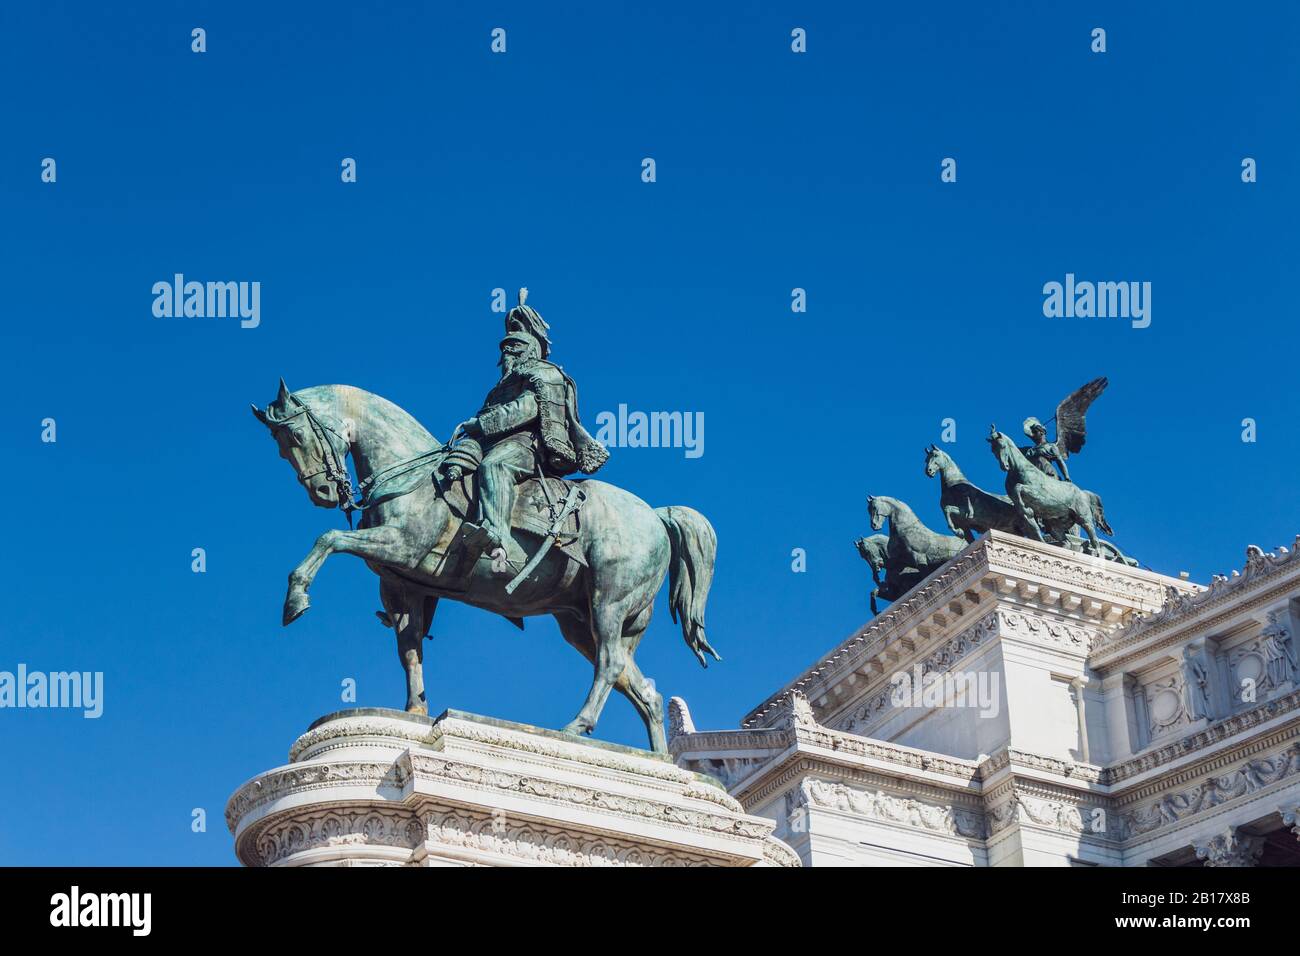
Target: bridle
335,469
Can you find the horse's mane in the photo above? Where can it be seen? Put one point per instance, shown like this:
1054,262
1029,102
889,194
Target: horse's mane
348,401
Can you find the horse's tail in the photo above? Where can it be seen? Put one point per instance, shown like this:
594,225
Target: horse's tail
1099,513
690,573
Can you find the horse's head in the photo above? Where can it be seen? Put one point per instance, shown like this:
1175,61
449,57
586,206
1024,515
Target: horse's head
1001,446
314,445
872,550
878,509
934,460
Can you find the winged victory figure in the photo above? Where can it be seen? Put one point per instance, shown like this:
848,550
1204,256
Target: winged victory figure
1050,456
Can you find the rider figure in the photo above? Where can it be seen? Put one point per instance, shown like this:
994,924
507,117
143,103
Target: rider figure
528,422
1043,453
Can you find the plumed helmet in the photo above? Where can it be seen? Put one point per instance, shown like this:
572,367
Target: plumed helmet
1032,423
524,318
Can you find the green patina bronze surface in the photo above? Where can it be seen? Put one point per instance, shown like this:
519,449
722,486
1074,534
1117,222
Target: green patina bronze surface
1041,502
448,521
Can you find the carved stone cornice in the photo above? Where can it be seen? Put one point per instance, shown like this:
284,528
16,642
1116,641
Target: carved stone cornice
1265,577
1205,738
1041,592
1005,758
1212,762
788,773
507,792
1247,780
432,767
268,788
931,594
882,806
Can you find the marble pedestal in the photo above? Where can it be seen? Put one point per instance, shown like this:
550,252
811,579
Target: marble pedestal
371,787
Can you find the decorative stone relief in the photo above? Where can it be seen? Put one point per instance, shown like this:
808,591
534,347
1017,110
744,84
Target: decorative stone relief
1231,848
1166,705
1249,778
1281,666
878,805
1178,604
330,828
459,829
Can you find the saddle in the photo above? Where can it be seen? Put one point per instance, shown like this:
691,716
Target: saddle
533,512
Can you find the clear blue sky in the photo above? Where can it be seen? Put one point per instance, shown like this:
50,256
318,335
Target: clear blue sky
476,171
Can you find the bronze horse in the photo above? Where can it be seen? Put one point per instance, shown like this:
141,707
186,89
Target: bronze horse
410,518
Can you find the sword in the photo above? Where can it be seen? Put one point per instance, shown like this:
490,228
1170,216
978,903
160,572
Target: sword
569,505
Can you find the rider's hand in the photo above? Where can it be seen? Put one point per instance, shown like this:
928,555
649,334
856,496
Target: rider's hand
471,428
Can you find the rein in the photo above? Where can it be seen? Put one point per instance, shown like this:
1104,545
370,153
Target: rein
336,470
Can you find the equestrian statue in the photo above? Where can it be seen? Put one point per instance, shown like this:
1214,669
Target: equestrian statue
491,520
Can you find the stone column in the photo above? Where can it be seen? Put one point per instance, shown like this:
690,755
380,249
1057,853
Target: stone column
1231,848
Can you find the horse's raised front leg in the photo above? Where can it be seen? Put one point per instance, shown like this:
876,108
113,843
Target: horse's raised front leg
949,515
385,545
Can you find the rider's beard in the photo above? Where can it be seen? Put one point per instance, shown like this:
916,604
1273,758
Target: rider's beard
508,363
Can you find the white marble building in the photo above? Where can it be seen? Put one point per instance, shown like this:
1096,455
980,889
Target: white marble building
1087,714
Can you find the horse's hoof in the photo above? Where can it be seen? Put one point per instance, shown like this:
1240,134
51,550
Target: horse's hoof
295,606
577,728
420,708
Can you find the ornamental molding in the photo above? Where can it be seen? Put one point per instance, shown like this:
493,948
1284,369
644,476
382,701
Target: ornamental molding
276,840
654,768
1210,763
445,830
1094,595
1043,630
440,768
1247,780
1060,811
788,776
460,829
724,741
930,595
367,774
964,772
1009,758
879,693
1205,738
881,806
345,732
1050,631
1132,587
1265,577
